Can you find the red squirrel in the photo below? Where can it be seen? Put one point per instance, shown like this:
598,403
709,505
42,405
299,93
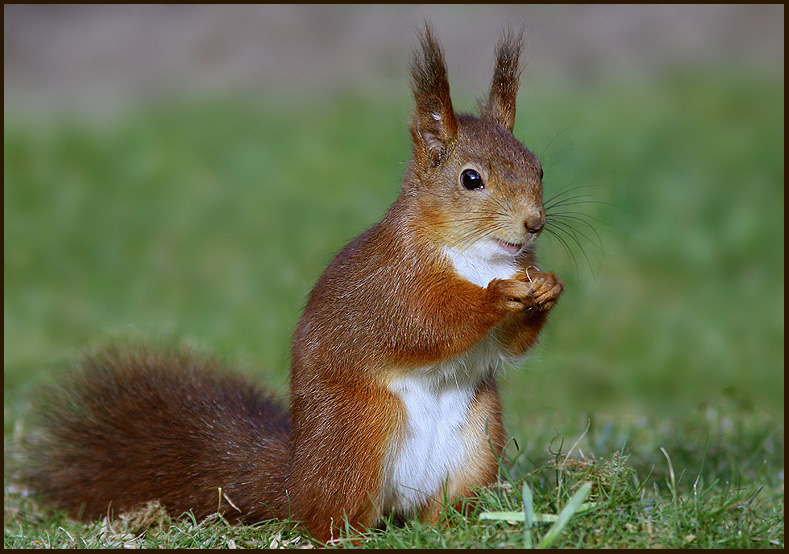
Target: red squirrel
394,407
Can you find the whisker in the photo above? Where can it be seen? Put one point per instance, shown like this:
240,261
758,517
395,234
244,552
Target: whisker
571,201
554,234
598,202
557,135
576,233
563,219
472,235
570,189
559,215
556,197
571,236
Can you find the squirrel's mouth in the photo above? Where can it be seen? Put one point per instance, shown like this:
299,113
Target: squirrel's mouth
511,248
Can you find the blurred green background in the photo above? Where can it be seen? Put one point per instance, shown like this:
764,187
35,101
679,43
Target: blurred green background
190,171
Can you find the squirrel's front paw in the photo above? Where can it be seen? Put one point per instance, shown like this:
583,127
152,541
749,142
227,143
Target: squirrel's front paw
547,288
511,295
540,291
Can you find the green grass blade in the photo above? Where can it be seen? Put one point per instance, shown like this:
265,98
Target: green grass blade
502,516
528,516
564,516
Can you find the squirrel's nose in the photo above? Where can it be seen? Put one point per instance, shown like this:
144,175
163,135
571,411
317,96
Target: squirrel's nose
534,223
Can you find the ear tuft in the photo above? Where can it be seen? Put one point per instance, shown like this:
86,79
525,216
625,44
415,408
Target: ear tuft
434,123
500,106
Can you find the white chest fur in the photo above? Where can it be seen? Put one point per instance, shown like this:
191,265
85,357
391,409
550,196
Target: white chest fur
437,400
481,263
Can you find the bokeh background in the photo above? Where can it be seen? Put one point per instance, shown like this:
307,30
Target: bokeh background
190,170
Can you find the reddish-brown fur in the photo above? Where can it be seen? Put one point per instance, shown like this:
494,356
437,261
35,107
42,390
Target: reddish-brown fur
136,425
147,423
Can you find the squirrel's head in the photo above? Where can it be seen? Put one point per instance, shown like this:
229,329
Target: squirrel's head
474,183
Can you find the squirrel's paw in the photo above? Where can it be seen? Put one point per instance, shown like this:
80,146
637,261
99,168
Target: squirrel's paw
540,291
546,290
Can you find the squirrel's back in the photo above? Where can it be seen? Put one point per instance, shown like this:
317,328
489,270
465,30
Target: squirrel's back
137,424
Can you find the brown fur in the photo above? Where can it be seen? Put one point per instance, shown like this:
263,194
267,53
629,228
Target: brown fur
134,426
434,124
500,106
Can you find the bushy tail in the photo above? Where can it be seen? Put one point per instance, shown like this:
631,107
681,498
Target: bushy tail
131,425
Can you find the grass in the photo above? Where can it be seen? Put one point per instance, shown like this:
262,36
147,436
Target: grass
663,362
682,498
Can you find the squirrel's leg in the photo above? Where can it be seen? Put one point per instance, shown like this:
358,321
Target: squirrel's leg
484,437
337,464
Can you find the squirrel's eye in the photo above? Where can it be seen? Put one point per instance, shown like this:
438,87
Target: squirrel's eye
471,180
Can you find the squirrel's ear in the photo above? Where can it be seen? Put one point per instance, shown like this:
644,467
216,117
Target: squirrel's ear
434,124
500,106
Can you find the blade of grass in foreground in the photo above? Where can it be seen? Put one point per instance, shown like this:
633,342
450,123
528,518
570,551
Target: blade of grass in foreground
528,516
574,506
567,512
